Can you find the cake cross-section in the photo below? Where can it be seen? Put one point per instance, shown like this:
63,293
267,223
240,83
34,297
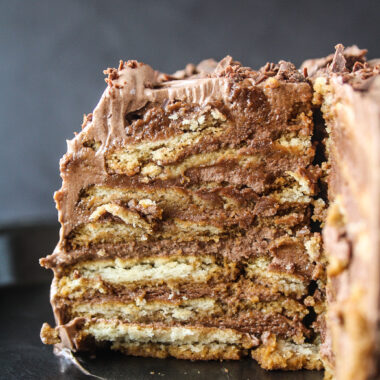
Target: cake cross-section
190,213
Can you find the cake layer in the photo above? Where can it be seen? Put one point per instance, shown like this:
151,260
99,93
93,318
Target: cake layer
241,291
249,171
262,177
192,339
250,321
145,312
114,232
207,311
220,187
183,124
120,332
172,270
204,214
164,161
142,220
256,295
175,201
226,204
208,197
124,226
296,255
152,270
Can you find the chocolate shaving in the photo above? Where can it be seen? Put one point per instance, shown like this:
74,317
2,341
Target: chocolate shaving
338,65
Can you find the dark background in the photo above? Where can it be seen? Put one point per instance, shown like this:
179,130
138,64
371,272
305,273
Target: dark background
53,53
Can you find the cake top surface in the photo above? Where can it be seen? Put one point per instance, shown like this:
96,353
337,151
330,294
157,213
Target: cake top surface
133,85
206,69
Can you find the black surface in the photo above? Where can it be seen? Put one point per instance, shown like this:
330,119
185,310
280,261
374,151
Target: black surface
24,306
53,53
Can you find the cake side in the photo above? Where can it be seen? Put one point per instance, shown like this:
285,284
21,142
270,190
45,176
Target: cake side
349,92
190,211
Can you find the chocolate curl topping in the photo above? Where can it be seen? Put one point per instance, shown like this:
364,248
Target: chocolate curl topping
338,64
